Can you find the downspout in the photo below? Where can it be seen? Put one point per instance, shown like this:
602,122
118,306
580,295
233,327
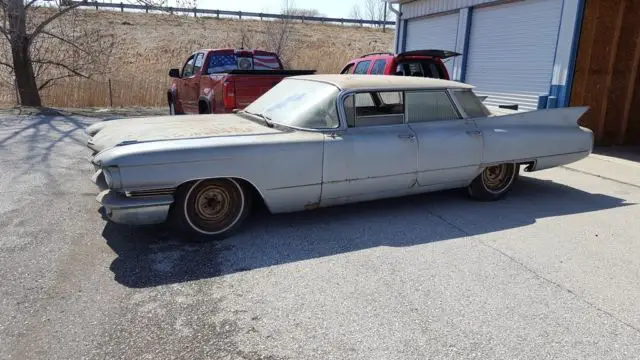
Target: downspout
398,22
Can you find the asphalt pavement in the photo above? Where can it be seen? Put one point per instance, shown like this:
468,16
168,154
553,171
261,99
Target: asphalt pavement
552,271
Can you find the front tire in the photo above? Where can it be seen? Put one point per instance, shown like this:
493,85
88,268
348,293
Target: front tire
494,182
211,209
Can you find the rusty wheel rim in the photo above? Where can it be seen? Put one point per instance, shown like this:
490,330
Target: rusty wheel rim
213,207
497,178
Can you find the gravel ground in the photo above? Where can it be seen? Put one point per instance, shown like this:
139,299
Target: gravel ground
550,272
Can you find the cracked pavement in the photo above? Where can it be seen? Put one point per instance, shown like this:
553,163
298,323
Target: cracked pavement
552,271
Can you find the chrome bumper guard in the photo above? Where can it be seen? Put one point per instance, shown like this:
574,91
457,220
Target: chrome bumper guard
134,211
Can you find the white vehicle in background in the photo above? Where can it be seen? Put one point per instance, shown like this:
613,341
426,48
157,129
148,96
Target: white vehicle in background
322,140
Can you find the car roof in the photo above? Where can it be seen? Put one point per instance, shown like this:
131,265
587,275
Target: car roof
361,81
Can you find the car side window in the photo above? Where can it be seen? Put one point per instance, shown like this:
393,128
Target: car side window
378,67
187,69
471,104
374,109
362,67
198,63
425,106
347,69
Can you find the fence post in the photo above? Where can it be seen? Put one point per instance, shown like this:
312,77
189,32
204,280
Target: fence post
110,94
96,4
195,12
218,14
384,19
121,7
240,15
260,16
146,8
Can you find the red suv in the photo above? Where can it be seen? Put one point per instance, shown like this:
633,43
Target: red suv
421,63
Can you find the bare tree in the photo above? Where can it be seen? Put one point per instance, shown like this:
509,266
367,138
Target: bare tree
355,12
375,10
278,33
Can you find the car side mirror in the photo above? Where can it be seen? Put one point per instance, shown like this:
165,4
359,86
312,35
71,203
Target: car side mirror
174,73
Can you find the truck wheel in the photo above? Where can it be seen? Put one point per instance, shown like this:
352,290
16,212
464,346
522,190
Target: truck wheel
494,182
172,108
211,209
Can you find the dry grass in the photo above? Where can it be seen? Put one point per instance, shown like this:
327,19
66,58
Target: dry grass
150,44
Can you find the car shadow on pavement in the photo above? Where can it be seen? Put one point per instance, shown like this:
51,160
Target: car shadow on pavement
153,256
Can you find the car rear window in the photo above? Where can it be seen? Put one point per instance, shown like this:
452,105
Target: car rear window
219,63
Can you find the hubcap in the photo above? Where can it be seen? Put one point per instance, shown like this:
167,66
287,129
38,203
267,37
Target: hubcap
496,178
212,207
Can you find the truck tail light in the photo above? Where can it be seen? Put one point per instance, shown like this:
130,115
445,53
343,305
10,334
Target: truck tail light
228,95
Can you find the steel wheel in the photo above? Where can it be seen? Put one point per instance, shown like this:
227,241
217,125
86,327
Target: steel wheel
496,178
214,207
494,182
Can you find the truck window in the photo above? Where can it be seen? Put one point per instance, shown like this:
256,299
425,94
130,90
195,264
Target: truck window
219,63
187,69
378,67
362,67
198,63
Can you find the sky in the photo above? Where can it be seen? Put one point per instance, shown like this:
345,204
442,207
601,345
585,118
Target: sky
330,8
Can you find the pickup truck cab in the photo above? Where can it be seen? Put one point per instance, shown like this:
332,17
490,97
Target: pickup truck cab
420,63
222,80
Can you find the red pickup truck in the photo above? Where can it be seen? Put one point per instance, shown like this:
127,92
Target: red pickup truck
221,80
421,63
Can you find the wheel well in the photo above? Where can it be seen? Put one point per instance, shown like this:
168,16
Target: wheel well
203,106
256,198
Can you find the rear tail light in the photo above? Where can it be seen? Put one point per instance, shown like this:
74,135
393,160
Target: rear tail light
228,95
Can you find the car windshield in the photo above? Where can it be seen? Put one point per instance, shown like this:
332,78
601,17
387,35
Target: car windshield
299,103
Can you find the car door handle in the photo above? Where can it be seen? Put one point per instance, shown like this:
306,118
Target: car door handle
406,136
474,133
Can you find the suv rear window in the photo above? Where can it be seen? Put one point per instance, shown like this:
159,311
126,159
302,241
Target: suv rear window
420,68
378,67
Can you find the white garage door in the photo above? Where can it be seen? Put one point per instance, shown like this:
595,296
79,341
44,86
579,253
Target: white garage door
512,50
436,32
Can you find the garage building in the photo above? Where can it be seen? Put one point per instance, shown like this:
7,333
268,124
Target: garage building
539,54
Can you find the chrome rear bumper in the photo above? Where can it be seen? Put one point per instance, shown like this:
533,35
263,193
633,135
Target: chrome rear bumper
135,211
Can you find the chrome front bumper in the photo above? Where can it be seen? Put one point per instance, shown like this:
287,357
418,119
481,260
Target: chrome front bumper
121,209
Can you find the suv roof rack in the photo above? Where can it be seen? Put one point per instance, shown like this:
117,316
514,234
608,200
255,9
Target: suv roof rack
377,53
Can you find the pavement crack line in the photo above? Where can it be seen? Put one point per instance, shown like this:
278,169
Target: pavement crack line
540,276
601,177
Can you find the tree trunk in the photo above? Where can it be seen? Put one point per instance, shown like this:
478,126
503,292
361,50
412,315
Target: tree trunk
20,44
25,77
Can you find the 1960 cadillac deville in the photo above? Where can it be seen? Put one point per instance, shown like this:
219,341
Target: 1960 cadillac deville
322,140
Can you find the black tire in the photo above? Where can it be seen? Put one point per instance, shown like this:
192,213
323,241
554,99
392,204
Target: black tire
211,209
172,108
494,182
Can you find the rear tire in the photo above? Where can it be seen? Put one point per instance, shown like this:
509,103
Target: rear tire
211,209
494,182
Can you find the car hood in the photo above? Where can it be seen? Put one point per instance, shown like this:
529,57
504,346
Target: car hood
107,134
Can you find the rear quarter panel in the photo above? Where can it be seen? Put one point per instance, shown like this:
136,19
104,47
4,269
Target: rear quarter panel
535,135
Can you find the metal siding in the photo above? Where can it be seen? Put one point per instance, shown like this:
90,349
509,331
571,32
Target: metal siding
437,32
427,7
512,49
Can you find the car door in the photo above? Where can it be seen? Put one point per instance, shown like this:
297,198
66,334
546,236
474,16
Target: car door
375,156
449,146
185,92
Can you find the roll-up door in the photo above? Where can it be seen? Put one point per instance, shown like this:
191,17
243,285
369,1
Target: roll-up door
511,51
434,32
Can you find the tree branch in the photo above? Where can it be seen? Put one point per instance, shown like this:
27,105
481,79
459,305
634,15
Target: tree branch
28,5
6,64
64,66
49,82
48,21
64,41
